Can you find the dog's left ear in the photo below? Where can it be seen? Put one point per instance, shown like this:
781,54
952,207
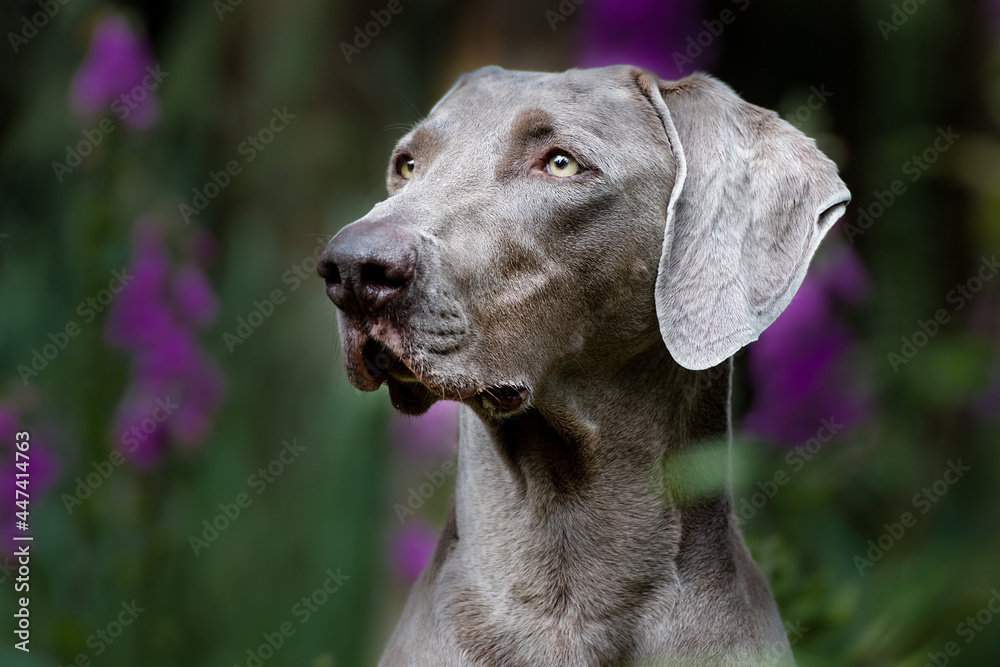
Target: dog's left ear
751,200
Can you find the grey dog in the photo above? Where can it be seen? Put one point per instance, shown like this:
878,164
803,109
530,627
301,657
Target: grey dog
575,257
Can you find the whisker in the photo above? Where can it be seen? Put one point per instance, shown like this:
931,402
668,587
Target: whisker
410,104
401,127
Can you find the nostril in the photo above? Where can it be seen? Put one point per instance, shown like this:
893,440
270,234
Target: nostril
376,275
329,272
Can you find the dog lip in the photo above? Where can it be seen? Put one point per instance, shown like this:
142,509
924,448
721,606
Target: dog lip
372,358
380,362
410,398
505,397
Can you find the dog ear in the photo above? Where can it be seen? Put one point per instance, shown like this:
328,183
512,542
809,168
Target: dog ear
751,200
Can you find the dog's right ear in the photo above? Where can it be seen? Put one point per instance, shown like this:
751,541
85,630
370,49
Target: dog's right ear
751,200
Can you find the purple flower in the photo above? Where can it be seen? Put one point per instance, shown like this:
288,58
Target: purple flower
141,437
139,314
660,35
170,353
155,319
192,422
798,367
841,272
431,434
412,548
115,65
193,296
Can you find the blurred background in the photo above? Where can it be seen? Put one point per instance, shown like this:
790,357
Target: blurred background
207,489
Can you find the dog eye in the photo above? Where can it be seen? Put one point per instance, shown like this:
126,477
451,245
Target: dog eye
562,166
405,167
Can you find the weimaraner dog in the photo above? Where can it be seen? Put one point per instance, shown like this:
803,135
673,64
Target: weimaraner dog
575,257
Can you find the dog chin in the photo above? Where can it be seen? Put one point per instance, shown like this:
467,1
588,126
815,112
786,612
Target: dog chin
410,397
370,364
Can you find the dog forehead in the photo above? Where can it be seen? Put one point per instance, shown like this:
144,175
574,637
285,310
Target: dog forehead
490,100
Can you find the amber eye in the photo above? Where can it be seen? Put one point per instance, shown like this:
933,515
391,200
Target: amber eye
405,167
562,165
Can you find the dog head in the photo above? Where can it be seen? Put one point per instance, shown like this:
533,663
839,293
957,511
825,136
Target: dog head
536,220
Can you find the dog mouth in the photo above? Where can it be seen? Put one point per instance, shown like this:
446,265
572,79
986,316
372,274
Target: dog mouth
413,393
407,392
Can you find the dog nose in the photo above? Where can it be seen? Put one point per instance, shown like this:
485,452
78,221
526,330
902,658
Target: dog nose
369,264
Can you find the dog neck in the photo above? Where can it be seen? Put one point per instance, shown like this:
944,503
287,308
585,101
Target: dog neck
570,511
589,445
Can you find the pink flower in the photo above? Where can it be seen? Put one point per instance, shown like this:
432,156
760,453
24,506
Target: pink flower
115,65
431,434
412,548
155,319
797,368
660,35
193,296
